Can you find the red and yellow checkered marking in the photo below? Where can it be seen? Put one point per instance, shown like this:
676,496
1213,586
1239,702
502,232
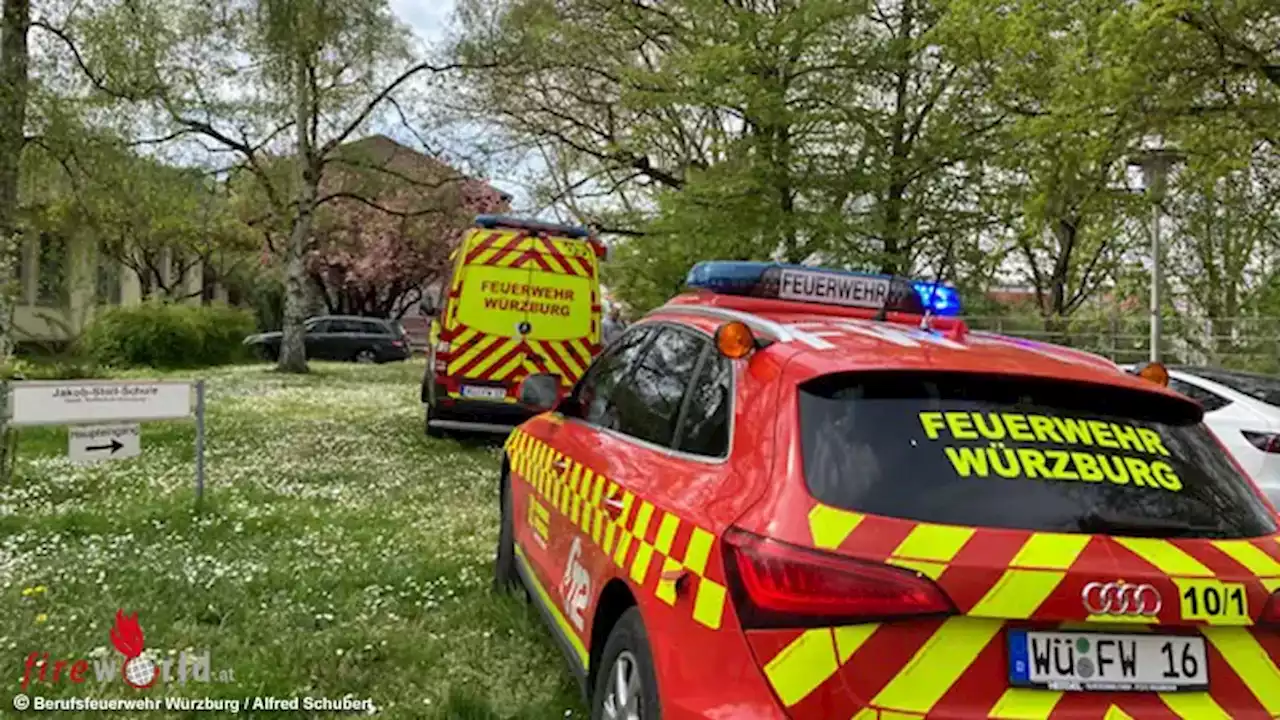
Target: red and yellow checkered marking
938,665
649,546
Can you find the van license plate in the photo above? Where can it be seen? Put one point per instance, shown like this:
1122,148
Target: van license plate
482,392
1107,662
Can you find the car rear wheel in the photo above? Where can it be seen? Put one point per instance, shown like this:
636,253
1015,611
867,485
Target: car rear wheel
627,689
366,357
432,432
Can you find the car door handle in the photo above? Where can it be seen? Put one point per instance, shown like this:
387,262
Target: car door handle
614,506
560,464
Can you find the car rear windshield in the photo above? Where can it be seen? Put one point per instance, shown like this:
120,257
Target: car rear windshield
1011,452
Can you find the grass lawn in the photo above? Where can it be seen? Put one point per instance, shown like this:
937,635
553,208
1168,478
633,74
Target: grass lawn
339,553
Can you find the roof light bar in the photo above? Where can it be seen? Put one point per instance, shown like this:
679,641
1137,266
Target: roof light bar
825,287
508,221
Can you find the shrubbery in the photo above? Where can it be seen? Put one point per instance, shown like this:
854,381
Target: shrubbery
168,335
60,368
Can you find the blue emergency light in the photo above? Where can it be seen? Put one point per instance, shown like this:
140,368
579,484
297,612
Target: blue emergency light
825,286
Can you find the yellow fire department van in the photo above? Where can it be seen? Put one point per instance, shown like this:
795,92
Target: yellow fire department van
523,298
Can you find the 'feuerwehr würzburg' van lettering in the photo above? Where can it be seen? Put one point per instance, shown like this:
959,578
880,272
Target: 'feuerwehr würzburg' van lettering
1064,453
523,297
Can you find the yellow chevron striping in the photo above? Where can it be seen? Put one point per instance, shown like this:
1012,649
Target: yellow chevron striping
802,666
1025,704
938,665
1168,558
481,347
1017,594
830,526
938,543
1194,706
492,355
851,637
933,570
1247,658
1050,551
1251,556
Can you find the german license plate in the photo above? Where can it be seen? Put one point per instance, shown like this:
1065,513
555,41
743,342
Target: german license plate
483,392
1107,662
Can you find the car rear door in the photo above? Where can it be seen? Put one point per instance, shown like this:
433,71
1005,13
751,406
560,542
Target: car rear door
991,546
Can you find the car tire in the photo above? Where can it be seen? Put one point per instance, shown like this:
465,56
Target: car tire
506,579
628,685
366,356
432,432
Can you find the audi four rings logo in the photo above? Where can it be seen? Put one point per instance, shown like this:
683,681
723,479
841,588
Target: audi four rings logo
1120,598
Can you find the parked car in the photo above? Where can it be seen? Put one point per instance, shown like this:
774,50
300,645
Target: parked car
1243,410
343,338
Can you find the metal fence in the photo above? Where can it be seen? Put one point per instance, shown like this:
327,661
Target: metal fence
1244,343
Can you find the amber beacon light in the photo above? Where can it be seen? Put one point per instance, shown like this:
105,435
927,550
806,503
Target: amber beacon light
1156,373
734,340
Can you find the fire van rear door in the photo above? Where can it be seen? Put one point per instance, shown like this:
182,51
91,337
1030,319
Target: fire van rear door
563,332
487,349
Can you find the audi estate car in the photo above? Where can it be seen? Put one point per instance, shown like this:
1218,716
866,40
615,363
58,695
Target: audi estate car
807,494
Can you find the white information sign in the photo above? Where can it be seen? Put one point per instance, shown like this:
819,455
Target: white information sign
833,288
91,443
90,401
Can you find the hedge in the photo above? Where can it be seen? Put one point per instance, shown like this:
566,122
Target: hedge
168,335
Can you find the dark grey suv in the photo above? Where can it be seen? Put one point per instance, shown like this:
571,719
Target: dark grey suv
343,338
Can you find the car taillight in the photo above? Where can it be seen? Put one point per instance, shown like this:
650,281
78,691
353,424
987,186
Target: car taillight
779,585
1266,442
1271,613
397,343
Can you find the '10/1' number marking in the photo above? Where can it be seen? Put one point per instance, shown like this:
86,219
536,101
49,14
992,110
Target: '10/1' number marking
1214,601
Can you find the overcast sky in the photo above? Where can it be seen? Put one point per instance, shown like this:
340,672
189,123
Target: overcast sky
427,17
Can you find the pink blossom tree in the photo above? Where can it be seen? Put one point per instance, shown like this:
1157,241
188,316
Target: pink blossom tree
376,257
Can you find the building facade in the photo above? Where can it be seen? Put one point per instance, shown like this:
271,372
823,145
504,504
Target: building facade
62,281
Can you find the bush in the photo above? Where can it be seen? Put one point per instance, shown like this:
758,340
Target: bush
60,368
166,335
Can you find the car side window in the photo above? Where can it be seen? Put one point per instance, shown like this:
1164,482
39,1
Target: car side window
1210,401
370,327
595,391
320,326
648,403
348,326
704,427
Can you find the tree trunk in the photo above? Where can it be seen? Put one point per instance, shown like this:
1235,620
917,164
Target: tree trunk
14,89
293,348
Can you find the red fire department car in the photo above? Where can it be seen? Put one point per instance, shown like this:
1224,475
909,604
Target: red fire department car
816,495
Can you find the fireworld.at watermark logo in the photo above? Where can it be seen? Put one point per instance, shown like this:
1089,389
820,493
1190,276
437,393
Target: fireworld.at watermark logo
140,668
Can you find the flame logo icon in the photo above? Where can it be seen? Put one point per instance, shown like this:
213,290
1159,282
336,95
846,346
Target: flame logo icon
126,635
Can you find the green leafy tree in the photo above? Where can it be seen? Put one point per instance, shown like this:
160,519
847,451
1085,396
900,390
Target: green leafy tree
259,81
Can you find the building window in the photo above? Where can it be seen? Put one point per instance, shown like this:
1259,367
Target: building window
52,271
108,289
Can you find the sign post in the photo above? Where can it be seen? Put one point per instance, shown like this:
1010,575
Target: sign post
105,414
